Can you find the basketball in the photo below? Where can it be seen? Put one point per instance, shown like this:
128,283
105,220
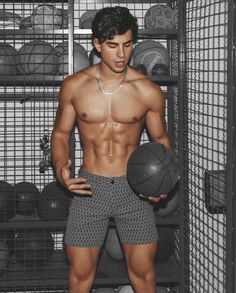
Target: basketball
86,19
7,59
37,57
159,17
152,169
46,16
81,59
149,53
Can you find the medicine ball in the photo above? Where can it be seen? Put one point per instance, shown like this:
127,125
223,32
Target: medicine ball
113,246
28,195
4,256
152,169
160,69
159,16
86,19
34,247
81,59
53,203
37,57
8,201
7,59
165,243
149,53
46,16
169,205
94,57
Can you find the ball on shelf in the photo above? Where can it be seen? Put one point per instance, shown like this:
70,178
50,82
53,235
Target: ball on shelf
54,203
81,59
159,16
28,196
37,57
46,16
149,53
86,19
152,169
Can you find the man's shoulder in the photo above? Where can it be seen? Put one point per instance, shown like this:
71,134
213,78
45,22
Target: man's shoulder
79,77
142,82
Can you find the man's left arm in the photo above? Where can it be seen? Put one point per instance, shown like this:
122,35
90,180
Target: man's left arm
156,123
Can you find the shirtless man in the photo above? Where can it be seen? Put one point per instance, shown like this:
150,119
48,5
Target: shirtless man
110,102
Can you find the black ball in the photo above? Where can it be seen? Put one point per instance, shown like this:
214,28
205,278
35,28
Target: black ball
28,196
34,247
160,69
152,169
8,201
54,202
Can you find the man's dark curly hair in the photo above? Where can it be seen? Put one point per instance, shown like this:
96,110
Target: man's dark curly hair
111,21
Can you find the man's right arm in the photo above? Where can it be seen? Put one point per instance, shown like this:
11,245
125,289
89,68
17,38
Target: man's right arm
64,123
60,145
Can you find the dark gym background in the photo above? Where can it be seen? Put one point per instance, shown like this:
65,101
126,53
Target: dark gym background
200,93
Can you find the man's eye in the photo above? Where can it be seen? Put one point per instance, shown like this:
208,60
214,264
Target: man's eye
127,45
112,46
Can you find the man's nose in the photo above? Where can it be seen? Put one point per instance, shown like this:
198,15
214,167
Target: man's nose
121,52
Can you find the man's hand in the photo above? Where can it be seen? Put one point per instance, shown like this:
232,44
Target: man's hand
75,185
154,199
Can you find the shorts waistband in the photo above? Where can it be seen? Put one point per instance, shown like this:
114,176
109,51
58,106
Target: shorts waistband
100,178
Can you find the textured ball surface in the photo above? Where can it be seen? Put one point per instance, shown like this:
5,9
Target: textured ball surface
46,16
37,57
149,53
160,69
81,59
159,17
152,169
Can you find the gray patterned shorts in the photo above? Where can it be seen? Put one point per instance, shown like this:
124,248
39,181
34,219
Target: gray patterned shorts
111,197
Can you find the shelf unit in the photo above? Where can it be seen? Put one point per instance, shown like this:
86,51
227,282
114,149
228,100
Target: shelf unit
54,275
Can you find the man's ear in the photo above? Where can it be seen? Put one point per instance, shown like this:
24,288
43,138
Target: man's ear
97,44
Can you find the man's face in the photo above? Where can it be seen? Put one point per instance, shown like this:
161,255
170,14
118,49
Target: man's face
115,53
